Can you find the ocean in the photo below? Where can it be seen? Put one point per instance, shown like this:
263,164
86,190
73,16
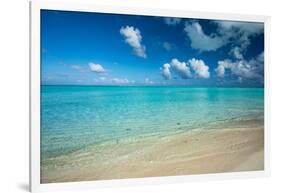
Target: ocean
74,117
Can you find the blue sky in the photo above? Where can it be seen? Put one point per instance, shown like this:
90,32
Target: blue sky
80,48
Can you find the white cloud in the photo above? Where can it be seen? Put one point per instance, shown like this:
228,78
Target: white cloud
242,68
236,52
181,68
165,71
200,68
228,32
184,69
246,27
96,68
200,40
239,33
172,20
222,65
220,70
133,38
121,81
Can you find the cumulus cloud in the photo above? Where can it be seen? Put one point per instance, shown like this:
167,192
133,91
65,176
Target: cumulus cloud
228,32
245,27
165,71
172,21
239,33
181,68
200,40
133,37
242,68
237,52
222,65
200,68
96,68
220,70
185,70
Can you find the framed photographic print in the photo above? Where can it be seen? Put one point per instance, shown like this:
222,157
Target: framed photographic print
123,96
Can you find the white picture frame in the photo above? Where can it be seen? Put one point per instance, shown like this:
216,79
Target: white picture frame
36,6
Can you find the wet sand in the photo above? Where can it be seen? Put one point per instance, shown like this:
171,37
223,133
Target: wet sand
194,152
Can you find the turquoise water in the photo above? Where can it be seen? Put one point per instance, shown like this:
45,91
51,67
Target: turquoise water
73,117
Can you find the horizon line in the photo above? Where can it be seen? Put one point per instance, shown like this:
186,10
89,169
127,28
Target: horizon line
142,85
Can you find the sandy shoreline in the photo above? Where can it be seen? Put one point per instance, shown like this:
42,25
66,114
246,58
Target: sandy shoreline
193,152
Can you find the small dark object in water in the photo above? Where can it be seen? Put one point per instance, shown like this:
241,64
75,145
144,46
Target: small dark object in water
178,123
128,129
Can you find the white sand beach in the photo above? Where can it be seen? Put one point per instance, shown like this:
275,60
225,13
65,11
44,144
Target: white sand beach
193,152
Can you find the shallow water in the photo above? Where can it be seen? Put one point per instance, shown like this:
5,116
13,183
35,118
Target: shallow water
74,117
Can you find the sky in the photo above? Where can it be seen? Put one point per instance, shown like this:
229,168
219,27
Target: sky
79,48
